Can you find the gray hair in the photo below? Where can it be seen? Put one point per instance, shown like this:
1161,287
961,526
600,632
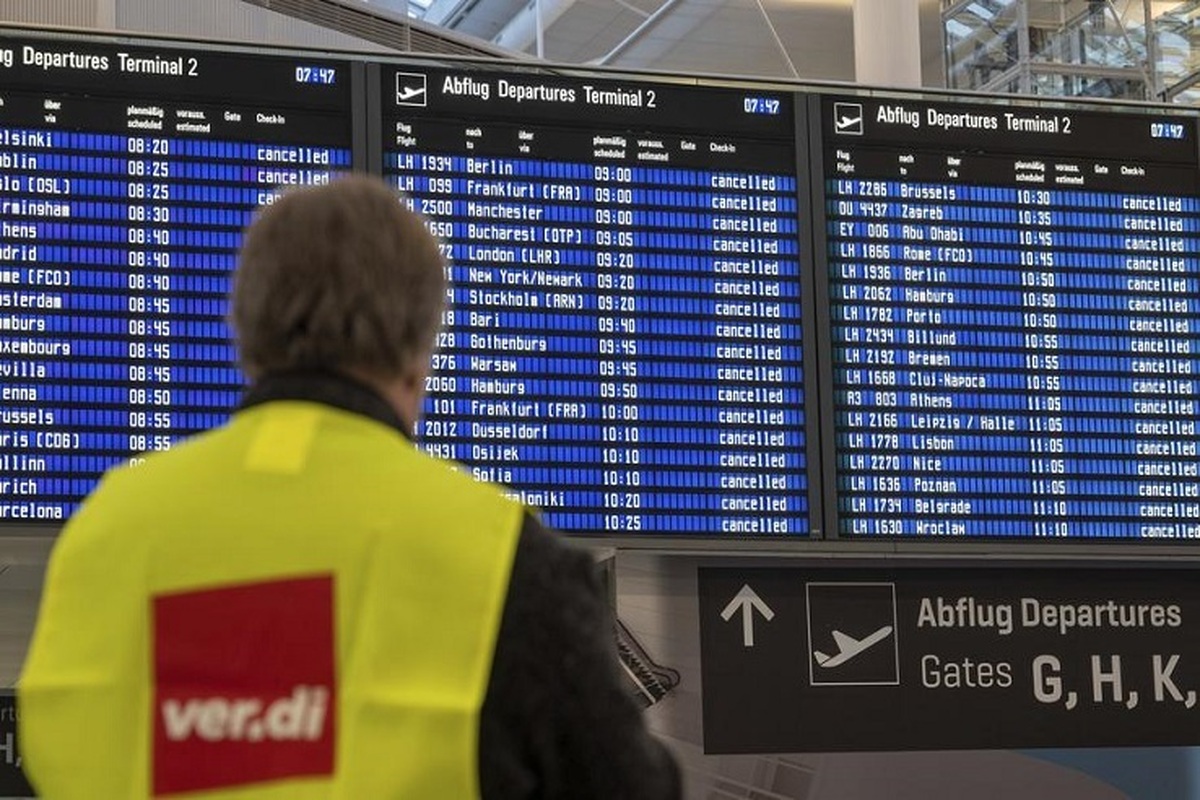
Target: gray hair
341,276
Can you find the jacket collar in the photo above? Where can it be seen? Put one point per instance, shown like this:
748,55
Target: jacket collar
327,387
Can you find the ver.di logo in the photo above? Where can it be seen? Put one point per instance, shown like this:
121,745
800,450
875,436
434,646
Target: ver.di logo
244,684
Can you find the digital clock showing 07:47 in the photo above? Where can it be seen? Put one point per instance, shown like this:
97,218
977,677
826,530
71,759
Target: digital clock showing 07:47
761,105
325,76
1167,130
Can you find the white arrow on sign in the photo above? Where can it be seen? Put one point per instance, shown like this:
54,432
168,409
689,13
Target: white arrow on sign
747,600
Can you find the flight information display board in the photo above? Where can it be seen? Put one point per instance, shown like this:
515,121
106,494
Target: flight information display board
126,176
624,346
1015,303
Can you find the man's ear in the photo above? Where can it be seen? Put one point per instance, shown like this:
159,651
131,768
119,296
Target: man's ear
413,378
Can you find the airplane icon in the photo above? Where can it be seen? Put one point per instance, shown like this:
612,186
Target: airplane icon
410,89
848,118
849,647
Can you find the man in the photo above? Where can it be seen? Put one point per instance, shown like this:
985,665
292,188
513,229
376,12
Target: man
301,603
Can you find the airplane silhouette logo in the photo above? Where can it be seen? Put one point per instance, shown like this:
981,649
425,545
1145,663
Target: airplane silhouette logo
410,89
860,619
848,118
849,647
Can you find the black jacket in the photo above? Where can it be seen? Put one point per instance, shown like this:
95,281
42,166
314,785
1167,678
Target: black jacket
556,720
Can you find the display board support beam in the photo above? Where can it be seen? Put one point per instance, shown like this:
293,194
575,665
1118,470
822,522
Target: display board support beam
637,33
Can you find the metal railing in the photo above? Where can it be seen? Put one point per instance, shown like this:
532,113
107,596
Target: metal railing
1074,48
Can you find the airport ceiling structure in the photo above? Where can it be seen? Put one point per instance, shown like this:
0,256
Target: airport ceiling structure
794,39
755,37
809,39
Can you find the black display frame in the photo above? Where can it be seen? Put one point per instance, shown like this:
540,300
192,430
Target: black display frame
823,140
486,71
823,539
95,62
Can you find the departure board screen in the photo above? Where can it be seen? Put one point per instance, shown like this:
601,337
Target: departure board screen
624,346
126,176
1015,301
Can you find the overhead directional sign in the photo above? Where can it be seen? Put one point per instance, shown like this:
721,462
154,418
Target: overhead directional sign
747,601
12,780
963,658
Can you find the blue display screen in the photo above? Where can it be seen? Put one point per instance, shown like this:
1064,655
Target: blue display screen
120,219
623,347
1007,298
1014,334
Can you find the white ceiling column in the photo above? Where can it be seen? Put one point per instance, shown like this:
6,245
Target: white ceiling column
106,15
887,42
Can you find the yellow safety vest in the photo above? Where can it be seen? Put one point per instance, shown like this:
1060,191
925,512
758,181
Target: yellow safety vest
300,604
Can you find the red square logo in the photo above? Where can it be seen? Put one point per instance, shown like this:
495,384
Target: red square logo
244,684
